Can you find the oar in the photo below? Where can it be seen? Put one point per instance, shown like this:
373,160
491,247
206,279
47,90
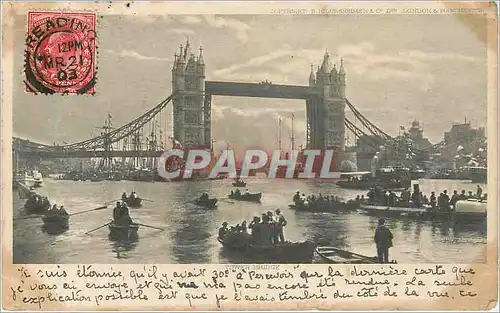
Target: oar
113,200
147,200
28,217
150,226
96,209
97,228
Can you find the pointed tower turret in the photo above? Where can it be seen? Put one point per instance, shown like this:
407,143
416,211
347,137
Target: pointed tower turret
342,78
326,66
200,57
312,78
187,50
341,70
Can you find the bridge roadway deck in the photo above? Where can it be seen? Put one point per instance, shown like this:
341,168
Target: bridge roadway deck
261,90
114,154
88,154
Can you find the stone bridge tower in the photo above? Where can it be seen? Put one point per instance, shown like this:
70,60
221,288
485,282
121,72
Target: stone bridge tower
326,114
188,87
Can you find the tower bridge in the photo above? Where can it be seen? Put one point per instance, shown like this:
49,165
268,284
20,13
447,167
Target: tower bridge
145,137
325,100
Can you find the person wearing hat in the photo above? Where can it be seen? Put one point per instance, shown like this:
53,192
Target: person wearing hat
255,229
223,230
279,226
124,218
273,227
117,211
383,240
296,198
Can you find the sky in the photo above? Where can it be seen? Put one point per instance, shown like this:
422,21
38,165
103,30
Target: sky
399,68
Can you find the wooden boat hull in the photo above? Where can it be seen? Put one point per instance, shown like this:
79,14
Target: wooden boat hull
210,203
334,255
123,232
420,213
239,184
287,253
255,197
365,185
134,202
55,222
336,207
36,208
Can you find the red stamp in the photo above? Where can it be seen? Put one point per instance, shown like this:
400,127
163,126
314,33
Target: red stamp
61,52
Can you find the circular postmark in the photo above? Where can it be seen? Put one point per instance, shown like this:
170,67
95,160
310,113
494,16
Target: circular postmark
60,52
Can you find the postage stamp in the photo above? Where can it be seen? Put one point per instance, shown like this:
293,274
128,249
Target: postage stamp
61,52
249,156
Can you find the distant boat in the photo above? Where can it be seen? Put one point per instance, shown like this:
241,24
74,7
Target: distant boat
208,203
250,197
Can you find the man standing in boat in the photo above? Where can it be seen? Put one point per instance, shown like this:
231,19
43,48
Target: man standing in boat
124,197
255,229
223,231
479,192
383,239
281,222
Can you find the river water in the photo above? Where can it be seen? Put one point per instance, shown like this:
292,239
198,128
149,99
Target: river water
190,234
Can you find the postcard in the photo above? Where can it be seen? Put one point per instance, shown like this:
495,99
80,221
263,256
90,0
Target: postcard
249,155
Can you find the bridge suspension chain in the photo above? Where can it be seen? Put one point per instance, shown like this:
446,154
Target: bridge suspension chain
369,125
358,132
119,133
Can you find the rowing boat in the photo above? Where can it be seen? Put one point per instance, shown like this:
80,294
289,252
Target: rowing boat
133,202
464,210
208,203
337,256
37,207
328,207
239,184
251,197
388,211
55,223
123,232
285,253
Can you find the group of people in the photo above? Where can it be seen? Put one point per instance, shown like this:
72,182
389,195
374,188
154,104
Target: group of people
299,199
133,195
264,230
443,202
238,192
121,214
37,201
56,211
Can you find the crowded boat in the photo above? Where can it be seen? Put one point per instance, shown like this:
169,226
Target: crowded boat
263,241
36,204
321,203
